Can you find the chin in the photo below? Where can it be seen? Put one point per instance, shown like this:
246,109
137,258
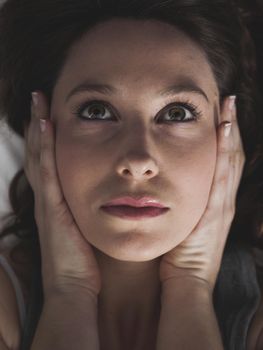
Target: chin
133,257
133,252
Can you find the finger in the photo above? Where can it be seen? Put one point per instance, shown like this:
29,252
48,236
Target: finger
221,174
32,152
229,207
48,176
237,162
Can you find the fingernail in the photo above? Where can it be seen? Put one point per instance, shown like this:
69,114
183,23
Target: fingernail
232,103
42,125
227,128
34,98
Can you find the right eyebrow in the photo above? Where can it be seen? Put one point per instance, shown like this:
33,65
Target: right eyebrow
183,85
90,86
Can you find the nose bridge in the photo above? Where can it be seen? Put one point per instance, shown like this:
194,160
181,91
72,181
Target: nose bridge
137,138
137,156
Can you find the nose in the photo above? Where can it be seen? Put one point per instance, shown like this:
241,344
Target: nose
138,168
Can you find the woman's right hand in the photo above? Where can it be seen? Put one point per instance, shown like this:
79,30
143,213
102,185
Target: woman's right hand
68,261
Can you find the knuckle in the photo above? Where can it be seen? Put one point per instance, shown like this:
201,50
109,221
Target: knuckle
214,204
45,144
34,155
45,173
223,179
224,149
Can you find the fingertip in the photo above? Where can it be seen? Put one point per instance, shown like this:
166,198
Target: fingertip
224,132
47,132
42,105
232,107
229,115
43,125
232,103
229,108
227,128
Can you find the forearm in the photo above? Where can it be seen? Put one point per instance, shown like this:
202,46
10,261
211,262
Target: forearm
68,322
187,319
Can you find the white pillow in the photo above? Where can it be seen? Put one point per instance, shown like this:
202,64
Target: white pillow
12,151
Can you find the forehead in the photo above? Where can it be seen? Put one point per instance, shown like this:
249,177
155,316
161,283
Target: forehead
134,53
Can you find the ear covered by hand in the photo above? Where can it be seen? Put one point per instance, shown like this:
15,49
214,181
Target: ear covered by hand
68,261
199,256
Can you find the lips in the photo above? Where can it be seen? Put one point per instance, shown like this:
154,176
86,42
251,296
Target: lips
135,209
134,213
134,202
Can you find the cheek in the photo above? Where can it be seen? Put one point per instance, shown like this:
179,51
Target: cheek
78,166
193,172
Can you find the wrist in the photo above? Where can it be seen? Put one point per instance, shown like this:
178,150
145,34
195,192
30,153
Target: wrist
76,293
68,317
188,318
187,287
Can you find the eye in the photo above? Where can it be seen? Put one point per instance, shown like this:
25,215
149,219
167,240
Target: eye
94,110
182,112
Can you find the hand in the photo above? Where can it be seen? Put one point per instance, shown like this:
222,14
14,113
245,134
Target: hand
68,261
199,255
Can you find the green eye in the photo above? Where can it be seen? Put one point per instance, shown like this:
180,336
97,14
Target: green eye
179,114
94,111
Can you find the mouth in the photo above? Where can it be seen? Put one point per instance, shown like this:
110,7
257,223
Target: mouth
133,213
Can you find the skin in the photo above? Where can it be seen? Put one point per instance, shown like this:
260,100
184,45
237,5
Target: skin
133,153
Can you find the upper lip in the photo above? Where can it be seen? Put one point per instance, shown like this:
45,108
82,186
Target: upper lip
144,201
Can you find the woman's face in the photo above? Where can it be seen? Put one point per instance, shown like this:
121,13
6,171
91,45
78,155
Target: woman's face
135,146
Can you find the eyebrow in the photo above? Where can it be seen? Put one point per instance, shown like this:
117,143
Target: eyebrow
183,85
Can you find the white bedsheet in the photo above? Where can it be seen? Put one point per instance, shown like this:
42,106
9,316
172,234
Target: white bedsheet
12,152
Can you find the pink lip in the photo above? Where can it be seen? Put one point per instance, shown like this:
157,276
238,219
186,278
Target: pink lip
141,202
133,213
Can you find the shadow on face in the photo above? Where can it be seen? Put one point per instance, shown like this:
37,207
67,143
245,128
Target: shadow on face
134,109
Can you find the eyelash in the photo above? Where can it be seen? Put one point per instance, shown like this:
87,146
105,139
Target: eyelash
78,110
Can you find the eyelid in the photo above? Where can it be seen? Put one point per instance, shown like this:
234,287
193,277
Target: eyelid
184,102
82,106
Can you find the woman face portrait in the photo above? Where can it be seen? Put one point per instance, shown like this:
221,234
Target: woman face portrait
153,133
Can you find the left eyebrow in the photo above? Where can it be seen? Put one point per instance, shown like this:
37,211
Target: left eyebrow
183,85
188,86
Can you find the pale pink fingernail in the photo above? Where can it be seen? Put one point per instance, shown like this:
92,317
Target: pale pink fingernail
42,125
232,103
227,128
35,98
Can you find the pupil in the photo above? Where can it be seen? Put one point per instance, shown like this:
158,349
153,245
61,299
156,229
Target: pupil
96,110
177,113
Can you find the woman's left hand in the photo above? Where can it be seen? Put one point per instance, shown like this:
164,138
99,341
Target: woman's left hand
199,256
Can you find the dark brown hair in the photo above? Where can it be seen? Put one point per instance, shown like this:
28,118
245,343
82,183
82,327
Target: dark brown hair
35,37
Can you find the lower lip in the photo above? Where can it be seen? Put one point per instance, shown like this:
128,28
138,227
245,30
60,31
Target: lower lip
127,212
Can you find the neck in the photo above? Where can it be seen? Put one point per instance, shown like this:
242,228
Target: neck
129,301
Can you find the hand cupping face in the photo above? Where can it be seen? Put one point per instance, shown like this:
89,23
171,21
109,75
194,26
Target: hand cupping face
68,263
199,255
